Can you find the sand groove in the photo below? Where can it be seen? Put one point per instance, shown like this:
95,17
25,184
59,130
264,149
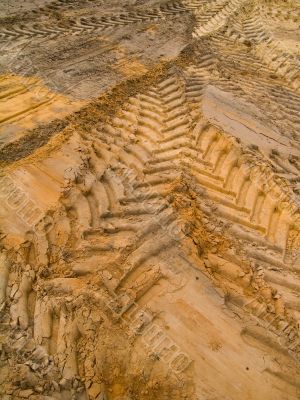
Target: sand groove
164,263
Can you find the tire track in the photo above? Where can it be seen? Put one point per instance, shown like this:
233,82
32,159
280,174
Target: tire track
117,220
84,25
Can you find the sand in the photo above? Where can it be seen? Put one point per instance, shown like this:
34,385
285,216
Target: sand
149,187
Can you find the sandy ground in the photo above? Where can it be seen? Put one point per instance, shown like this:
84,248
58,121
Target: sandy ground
149,187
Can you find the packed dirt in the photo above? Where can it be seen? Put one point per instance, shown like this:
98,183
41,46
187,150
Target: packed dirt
150,200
